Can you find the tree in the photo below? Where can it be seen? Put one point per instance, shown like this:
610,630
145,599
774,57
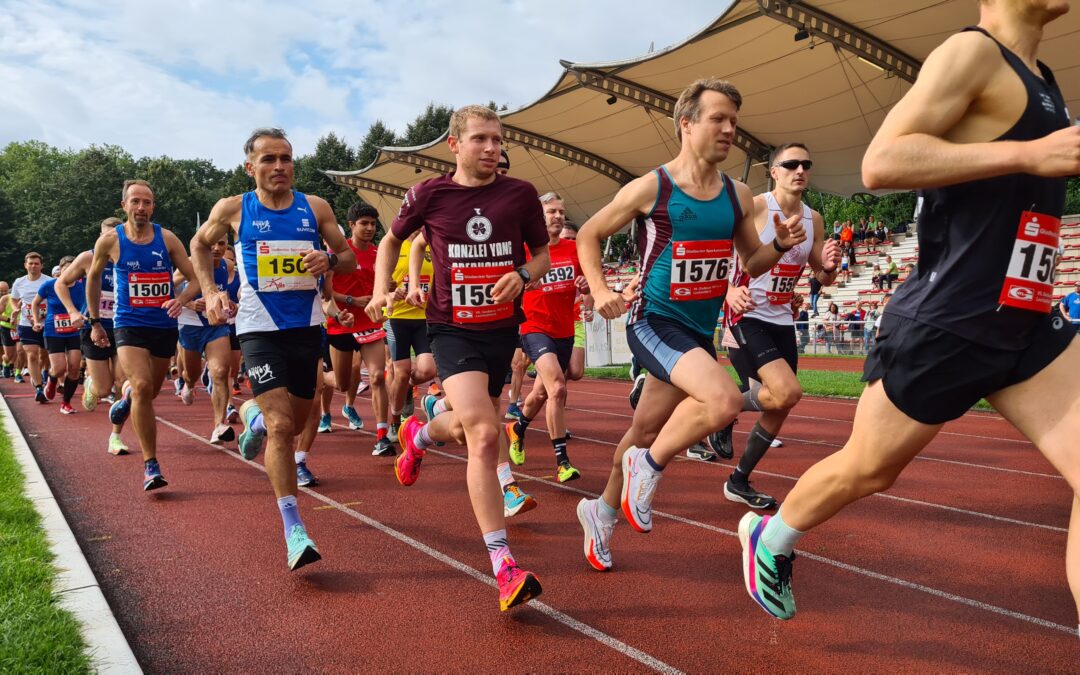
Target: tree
428,125
378,136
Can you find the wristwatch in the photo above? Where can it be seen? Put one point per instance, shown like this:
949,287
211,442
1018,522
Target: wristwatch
524,274
92,321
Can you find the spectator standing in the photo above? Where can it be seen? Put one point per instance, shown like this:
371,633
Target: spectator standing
815,293
1070,306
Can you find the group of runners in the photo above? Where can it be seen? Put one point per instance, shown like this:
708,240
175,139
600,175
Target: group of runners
478,272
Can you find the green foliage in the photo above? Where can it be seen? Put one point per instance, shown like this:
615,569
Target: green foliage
892,209
1072,196
378,136
428,125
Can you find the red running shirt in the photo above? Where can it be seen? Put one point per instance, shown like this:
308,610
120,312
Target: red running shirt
550,308
358,283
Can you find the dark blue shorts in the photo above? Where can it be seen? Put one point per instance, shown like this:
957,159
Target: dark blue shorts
658,344
29,336
195,338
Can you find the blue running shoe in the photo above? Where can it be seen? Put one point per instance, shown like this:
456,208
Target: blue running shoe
516,501
119,411
325,426
152,478
355,422
304,477
301,548
513,412
250,443
767,577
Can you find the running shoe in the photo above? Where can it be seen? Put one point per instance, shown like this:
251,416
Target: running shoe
232,415
173,371
410,402
516,501
205,377
383,448
638,488
517,446
393,433
304,477
117,446
89,398
746,494
178,385
250,443
516,585
567,436
597,534
152,478
40,395
767,577
362,387
119,411
50,389
720,441
635,392
776,443
66,409
301,549
699,451
325,425
531,374
429,402
355,422
187,394
513,412
18,378
407,465
566,472
434,389
222,434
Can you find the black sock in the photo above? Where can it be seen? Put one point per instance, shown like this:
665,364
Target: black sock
521,425
69,389
51,380
756,446
560,450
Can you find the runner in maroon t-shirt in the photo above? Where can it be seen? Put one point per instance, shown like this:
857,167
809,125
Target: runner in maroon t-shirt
477,224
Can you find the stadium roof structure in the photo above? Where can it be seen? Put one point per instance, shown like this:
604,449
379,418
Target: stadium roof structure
824,73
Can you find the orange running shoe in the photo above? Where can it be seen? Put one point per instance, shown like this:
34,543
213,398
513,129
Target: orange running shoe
434,389
516,586
407,465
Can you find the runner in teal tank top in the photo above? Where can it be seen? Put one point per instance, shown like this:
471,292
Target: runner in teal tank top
690,215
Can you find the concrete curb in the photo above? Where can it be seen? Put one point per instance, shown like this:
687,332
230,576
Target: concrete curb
75,583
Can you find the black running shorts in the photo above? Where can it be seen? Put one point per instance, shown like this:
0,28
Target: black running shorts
61,345
934,376
409,336
284,358
7,337
761,342
457,350
92,352
343,342
161,342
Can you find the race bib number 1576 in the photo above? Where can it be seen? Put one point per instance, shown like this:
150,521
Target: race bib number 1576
699,269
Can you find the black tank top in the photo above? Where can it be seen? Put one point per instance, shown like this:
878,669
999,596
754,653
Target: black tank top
967,232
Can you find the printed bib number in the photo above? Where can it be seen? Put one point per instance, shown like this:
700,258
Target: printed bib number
699,269
107,308
782,285
470,292
559,278
425,283
149,289
281,268
62,323
1029,280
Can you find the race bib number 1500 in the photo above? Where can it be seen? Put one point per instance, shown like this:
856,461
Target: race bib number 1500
699,269
149,289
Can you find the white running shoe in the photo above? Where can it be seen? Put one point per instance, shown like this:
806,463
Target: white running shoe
638,488
597,534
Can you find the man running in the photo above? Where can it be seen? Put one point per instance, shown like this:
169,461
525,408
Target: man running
477,223
278,233
984,133
61,336
8,335
689,215
33,343
144,320
758,315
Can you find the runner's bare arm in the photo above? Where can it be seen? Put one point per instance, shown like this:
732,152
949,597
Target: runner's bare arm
910,149
35,317
385,260
511,285
71,275
758,258
415,294
636,198
223,218
825,255
318,262
182,263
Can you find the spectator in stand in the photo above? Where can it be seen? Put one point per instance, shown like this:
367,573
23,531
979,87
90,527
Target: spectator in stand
802,321
831,321
851,256
835,230
815,294
892,272
870,324
847,235
856,319
860,232
845,262
878,279
1070,306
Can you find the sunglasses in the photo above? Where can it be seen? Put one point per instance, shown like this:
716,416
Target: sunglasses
792,164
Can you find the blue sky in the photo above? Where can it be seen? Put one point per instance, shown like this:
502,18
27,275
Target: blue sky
192,78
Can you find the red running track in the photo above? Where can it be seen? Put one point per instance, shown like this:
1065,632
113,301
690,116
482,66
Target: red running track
959,567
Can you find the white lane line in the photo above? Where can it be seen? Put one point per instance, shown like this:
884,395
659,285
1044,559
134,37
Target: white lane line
977,604
563,618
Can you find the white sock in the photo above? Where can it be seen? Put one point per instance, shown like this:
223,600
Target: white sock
506,474
779,537
300,456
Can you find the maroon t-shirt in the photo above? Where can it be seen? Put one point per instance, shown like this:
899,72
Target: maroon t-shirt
476,234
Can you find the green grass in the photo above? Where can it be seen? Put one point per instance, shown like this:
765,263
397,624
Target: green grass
36,635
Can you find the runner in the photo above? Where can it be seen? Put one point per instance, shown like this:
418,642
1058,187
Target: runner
583,313
102,367
198,337
689,215
33,342
277,233
8,334
477,223
985,134
144,319
758,315
548,338
61,336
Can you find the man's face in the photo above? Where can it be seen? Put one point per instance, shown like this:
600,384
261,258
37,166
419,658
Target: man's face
217,249
33,266
713,132
271,164
478,148
568,233
363,230
4,290
139,205
795,179
554,217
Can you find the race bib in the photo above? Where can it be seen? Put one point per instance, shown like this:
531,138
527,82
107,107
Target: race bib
1029,280
425,283
63,325
470,293
370,335
149,289
107,308
699,269
280,266
559,278
782,284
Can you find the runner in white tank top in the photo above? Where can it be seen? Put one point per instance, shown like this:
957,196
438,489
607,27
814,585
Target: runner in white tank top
758,316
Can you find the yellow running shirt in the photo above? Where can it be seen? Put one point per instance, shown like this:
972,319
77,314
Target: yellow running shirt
401,308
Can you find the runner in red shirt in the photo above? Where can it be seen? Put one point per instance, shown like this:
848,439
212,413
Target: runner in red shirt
547,336
477,224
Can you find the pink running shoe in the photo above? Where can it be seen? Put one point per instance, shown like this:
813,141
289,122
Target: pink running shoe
516,586
407,465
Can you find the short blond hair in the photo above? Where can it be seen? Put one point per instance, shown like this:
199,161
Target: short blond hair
689,103
464,114
134,181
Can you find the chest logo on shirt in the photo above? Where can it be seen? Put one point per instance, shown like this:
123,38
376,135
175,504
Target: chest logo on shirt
133,264
261,225
687,214
479,228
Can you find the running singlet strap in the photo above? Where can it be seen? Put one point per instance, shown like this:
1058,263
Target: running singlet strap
143,281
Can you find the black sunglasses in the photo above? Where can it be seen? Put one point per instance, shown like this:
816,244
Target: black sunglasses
792,164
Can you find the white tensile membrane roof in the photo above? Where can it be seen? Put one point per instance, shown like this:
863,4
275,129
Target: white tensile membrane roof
603,124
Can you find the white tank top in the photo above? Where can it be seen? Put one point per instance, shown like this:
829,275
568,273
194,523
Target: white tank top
772,291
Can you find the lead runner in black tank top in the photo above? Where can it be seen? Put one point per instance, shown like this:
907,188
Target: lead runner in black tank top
985,133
